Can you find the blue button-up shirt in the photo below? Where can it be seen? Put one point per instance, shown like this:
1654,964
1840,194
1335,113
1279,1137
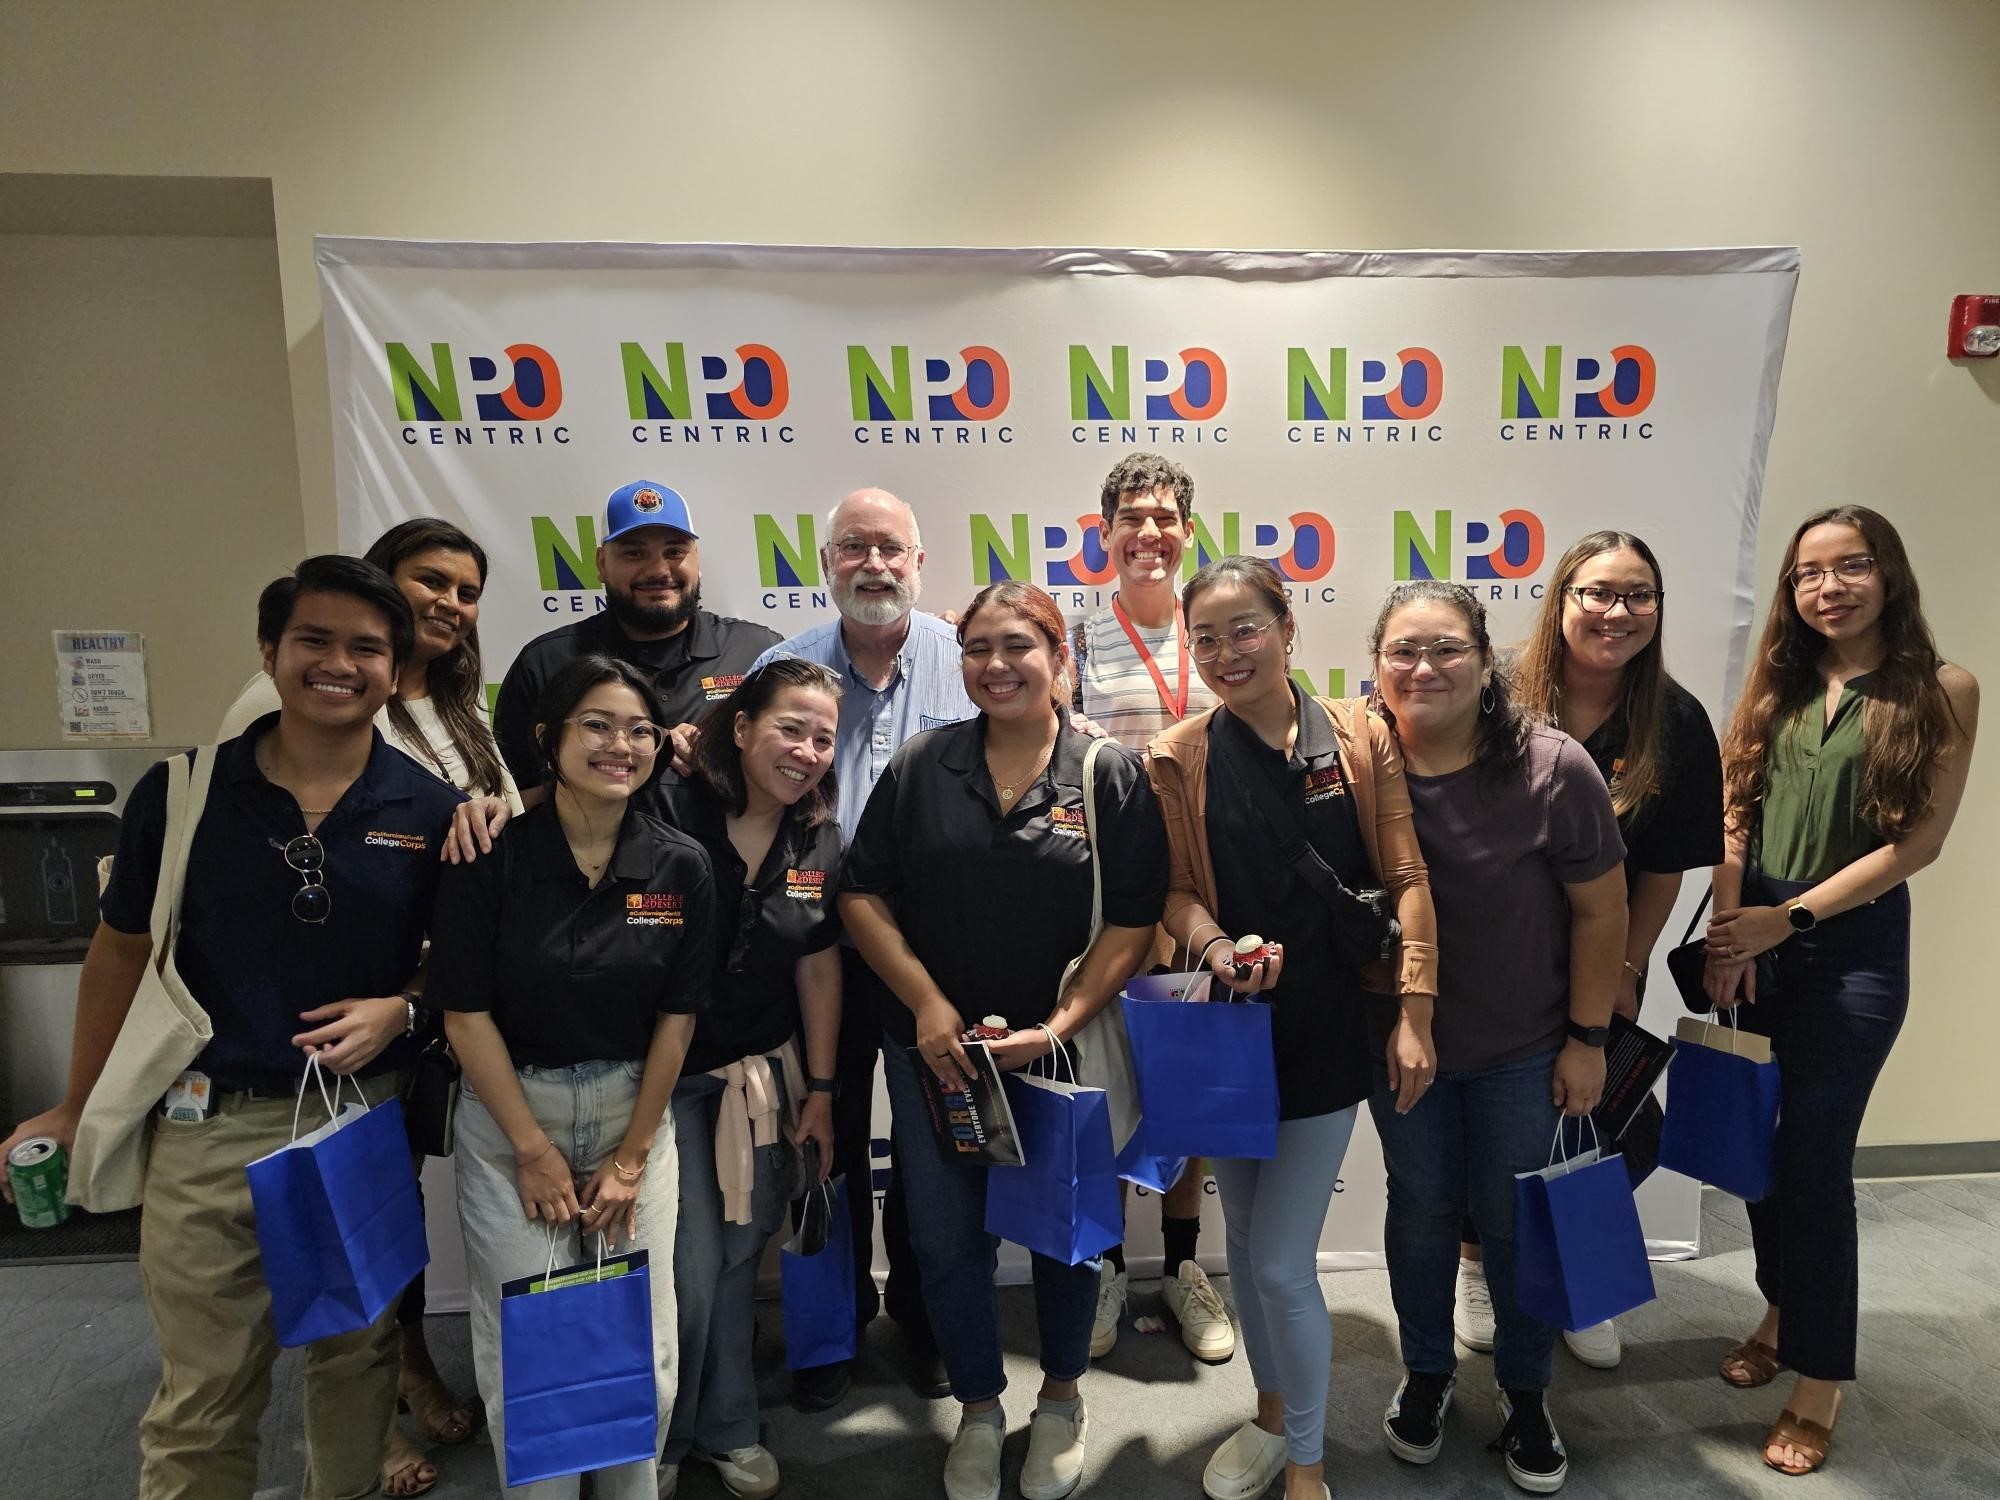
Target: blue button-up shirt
926,691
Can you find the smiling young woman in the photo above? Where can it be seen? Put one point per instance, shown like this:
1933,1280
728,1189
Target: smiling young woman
1331,772
758,1080
981,818
1595,667
1522,843
1844,765
569,1066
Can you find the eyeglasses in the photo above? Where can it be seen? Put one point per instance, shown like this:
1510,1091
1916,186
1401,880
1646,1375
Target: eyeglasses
602,734
1809,577
311,902
853,549
1403,656
1245,640
1597,599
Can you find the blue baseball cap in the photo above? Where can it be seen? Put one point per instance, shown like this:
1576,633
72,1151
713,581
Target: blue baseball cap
645,502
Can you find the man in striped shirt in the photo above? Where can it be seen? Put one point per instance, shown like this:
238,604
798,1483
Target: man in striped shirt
1134,678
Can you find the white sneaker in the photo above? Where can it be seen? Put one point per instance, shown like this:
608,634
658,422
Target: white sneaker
747,1473
1472,1319
1244,1466
972,1467
1198,1308
1111,1285
1054,1465
1597,1346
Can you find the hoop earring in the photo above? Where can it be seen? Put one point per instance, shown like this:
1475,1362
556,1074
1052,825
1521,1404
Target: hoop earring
1486,699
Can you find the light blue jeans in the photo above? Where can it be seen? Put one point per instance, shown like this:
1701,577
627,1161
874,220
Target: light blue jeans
584,1110
715,1277
1274,1211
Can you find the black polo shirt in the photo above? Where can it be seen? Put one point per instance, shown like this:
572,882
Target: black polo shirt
763,926
1325,1028
1680,828
995,906
691,670
573,973
252,964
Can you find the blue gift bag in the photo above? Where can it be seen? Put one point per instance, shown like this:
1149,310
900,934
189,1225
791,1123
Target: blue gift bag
1139,1164
1062,1201
576,1367
339,1224
1722,1108
816,1271
1579,1254
1208,1079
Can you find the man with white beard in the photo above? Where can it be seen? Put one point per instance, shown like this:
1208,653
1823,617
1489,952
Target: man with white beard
899,672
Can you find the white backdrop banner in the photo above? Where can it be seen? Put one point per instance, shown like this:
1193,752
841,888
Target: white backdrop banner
1355,418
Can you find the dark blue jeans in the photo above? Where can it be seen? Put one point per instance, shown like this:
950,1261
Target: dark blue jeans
1456,1154
956,1257
1842,990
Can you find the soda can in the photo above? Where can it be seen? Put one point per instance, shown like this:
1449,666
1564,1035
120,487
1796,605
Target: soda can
39,1173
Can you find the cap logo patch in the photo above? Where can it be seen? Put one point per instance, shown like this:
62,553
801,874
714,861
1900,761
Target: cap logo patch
646,501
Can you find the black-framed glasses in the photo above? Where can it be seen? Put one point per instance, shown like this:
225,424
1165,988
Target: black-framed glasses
1597,599
311,902
1810,576
1404,656
1205,645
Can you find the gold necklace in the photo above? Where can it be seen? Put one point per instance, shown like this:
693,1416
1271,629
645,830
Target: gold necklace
1008,784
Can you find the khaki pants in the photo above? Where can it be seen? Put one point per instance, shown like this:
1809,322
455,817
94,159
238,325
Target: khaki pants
204,1283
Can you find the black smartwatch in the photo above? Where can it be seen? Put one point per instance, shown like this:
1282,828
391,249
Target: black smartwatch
822,1085
1801,919
1590,1036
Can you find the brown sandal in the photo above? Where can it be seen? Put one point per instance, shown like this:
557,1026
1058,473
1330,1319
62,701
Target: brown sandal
1758,1360
1800,1435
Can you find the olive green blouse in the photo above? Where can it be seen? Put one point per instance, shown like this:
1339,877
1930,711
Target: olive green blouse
1811,824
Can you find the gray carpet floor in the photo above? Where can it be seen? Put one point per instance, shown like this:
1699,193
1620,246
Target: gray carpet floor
1923,1421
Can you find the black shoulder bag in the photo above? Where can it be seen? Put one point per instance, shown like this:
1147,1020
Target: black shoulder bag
1365,928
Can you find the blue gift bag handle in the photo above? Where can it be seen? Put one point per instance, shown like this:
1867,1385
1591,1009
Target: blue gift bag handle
1558,1153
315,1073
549,1274
1056,1049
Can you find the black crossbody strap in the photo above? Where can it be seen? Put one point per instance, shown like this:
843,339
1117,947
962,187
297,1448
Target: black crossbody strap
1292,843
1695,920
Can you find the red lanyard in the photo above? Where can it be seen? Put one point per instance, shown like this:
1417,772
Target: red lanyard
1175,702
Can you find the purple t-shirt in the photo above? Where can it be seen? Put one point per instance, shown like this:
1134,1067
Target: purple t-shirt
1500,852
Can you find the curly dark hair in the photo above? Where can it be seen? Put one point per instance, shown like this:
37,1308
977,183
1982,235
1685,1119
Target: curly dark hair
1146,472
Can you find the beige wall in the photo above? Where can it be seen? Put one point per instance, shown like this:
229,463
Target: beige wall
146,464
1863,132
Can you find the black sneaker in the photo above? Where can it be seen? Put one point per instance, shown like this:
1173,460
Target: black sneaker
819,1387
1414,1422
1534,1453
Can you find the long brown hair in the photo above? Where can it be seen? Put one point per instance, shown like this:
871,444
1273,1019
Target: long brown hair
1907,722
457,679
1642,686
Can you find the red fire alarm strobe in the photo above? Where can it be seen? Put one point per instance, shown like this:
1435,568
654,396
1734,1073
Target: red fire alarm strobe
1975,328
